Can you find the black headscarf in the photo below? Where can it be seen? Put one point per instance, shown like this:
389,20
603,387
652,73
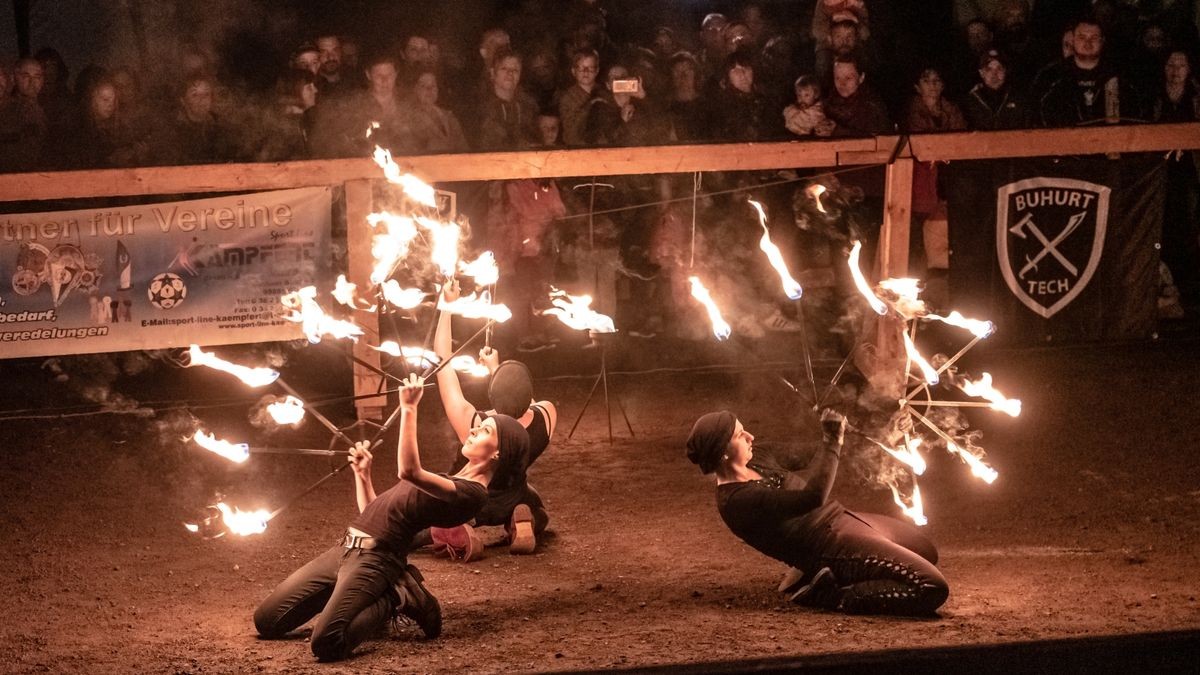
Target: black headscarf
511,389
513,446
709,438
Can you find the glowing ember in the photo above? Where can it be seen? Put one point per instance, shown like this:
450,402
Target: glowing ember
346,293
983,389
907,455
403,298
483,269
303,309
721,328
234,452
861,283
477,306
791,287
371,127
415,356
576,311
927,371
916,512
255,377
815,191
468,366
978,328
191,527
444,248
420,191
244,522
978,469
907,291
390,242
288,411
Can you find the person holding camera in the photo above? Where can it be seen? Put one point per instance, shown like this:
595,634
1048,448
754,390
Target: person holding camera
858,563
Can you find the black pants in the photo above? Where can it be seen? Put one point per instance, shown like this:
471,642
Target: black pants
498,511
884,565
350,589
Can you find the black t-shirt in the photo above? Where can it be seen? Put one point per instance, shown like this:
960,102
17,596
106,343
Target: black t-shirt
403,510
777,515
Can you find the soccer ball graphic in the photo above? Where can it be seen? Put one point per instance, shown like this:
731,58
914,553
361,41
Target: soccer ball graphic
166,290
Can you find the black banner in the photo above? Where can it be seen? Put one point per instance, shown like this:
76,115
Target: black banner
1057,249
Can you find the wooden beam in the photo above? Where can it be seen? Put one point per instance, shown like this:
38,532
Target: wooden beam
1050,142
892,255
359,204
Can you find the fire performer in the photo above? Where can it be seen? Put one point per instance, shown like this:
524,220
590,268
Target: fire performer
858,563
513,504
357,585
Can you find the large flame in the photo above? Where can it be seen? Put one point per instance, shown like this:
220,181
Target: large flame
303,309
861,282
576,311
815,191
255,377
477,306
978,328
721,328
420,191
444,247
978,468
928,372
288,411
916,512
390,243
468,366
346,293
983,389
244,522
234,452
908,303
414,356
482,269
402,298
907,454
791,287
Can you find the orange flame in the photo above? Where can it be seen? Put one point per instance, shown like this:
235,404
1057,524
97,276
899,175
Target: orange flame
288,411
346,293
390,242
907,291
983,389
420,191
255,377
468,366
576,311
721,328
192,527
244,522
483,269
234,452
791,287
444,248
403,298
978,328
415,356
978,468
477,306
916,512
815,191
927,371
907,455
303,309
861,283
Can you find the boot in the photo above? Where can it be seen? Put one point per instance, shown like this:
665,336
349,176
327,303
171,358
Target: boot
417,603
524,541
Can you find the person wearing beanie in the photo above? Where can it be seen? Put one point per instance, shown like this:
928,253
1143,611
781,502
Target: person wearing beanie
858,563
355,587
512,504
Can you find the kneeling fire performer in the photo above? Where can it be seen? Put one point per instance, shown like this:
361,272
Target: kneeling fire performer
356,586
857,563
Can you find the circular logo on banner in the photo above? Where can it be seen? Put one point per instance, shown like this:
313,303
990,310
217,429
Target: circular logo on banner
166,290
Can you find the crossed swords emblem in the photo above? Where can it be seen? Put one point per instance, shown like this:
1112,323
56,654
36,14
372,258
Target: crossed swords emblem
1049,246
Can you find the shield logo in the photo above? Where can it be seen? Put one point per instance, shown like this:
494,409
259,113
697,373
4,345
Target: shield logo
1049,239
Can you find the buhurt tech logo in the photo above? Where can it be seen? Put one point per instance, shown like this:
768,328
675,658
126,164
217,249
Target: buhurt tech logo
1049,239
166,290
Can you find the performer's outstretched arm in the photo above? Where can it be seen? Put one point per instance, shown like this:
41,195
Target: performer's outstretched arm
817,478
458,409
408,457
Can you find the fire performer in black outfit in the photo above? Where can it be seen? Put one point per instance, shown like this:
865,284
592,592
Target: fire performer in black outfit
858,563
356,586
512,502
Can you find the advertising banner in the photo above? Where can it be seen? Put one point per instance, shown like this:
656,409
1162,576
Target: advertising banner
206,271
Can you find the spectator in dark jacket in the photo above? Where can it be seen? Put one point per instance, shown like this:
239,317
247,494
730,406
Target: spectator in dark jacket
993,104
99,137
740,112
1088,89
507,114
855,109
195,134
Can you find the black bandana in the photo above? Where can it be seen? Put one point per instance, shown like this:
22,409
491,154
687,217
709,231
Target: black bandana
511,389
709,438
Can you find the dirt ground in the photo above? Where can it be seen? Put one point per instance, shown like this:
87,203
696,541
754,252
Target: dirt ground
1091,529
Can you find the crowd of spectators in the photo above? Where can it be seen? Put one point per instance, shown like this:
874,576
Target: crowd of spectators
554,75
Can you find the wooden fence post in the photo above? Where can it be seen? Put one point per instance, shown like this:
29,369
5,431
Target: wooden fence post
892,255
358,244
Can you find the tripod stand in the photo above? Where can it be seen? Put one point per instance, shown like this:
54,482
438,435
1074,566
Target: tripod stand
602,340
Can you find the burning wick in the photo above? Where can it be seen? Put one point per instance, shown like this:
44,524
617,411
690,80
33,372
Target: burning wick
244,522
415,356
983,389
721,329
420,191
978,469
577,312
916,512
402,298
255,377
445,244
815,191
477,306
927,371
791,287
908,291
390,242
346,293
978,328
468,366
234,452
288,411
907,455
315,323
859,281
483,269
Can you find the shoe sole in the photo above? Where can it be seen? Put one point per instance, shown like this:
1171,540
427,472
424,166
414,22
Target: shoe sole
431,623
791,581
524,541
818,579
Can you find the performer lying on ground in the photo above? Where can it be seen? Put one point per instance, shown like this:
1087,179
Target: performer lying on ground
356,586
512,503
858,563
